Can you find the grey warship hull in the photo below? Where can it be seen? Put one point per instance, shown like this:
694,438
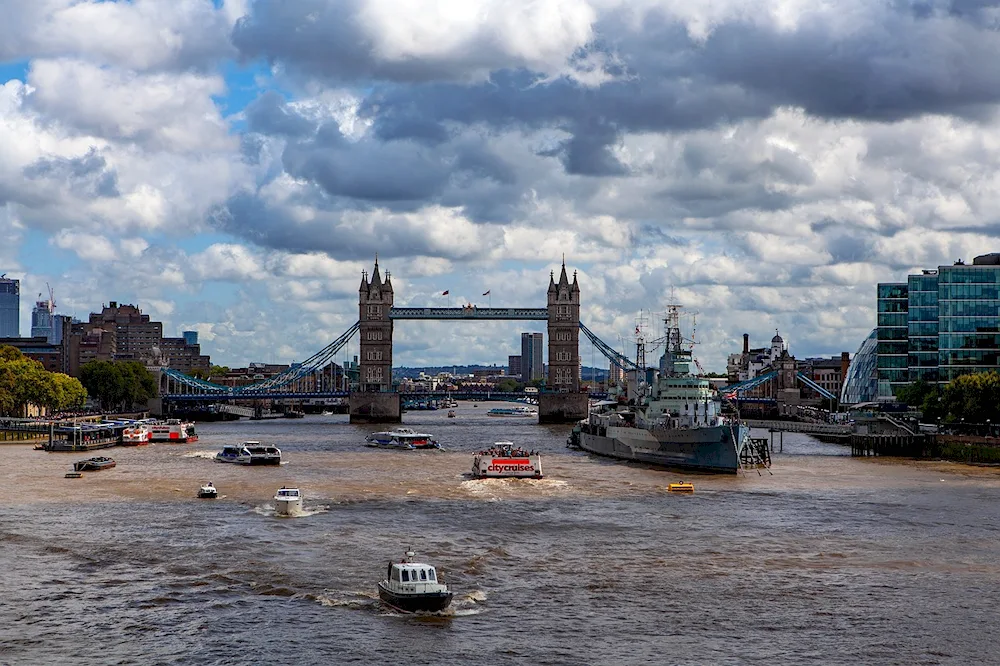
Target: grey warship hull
708,449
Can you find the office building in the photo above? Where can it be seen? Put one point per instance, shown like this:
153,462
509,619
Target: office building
861,381
41,319
531,356
10,307
190,337
514,366
939,325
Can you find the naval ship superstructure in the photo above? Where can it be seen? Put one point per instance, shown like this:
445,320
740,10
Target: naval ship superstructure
674,421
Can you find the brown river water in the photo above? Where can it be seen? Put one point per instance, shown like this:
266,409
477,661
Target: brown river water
826,559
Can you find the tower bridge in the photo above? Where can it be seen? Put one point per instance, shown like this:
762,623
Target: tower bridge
374,400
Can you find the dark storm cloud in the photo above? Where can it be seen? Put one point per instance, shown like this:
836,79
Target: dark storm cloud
269,114
87,175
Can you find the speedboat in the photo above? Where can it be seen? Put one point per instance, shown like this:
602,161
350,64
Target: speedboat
512,411
208,491
93,464
503,460
413,587
287,501
250,453
402,438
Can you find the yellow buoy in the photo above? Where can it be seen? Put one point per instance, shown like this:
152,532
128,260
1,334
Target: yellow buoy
682,487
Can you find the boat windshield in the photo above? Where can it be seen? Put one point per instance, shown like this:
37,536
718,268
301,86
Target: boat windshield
288,492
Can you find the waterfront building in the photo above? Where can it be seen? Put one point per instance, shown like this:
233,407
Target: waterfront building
829,373
939,325
531,356
514,366
861,381
53,357
10,307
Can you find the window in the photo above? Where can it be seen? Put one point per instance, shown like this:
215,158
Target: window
375,311
564,356
430,574
406,576
423,575
373,355
562,310
373,335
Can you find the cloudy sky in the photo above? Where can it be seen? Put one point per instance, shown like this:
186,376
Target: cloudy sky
232,166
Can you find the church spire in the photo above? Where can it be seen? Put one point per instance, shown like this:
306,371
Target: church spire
563,279
376,278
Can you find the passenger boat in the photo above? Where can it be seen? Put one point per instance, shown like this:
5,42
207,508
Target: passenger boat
402,438
413,587
208,491
250,453
503,460
681,487
512,411
93,464
287,501
173,430
136,435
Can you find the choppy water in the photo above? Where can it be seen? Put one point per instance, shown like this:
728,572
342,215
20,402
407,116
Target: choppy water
827,560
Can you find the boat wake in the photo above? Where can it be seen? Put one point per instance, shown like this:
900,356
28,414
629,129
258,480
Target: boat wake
270,511
493,488
354,599
208,455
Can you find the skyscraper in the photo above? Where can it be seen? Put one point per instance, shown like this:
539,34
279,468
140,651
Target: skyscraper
10,307
531,356
41,320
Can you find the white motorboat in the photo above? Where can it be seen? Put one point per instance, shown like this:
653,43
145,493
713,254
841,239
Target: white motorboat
288,501
402,438
413,587
208,491
250,453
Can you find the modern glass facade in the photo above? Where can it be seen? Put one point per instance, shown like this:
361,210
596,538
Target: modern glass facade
946,322
10,308
893,338
861,382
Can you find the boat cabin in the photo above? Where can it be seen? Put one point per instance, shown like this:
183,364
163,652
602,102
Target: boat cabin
287,493
412,578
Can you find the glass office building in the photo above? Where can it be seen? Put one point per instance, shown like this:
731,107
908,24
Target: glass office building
861,382
946,322
10,307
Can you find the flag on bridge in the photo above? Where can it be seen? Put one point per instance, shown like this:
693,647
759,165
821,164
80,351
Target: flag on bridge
445,293
486,293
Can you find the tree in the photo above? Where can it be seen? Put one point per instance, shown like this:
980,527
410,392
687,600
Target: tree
118,384
974,398
508,385
71,393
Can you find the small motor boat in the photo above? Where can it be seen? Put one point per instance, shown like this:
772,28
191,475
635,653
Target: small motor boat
681,487
413,587
451,413
208,491
288,501
93,464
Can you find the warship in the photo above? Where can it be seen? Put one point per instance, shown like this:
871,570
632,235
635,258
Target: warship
672,417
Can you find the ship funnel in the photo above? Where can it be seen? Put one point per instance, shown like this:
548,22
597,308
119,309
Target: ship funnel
746,343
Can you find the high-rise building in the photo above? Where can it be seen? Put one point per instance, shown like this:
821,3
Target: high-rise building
41,320
531,356
135,334
10,307
190,337
514,366
939,325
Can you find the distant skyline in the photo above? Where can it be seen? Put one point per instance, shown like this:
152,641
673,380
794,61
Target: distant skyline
231,166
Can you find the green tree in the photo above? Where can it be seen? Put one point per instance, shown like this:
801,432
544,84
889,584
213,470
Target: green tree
508,385
118,384
71,393
974,398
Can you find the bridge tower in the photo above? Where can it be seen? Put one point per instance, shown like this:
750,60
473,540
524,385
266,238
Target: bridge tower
562,400
564,333
375,401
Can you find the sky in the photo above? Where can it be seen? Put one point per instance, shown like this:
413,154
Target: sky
231,167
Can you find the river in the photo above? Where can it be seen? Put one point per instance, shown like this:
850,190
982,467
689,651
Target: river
824,559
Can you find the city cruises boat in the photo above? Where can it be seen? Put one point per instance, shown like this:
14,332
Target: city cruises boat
208,491
413,587
512,411
287,501
136,435
93,464
250,453
173,430
402,438
503,460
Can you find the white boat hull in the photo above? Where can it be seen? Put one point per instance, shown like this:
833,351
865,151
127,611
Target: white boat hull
288,507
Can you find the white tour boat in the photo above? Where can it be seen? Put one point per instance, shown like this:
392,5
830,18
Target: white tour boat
402,438
503,460
288,501
413,587
136,435
249,453
174,431
512,411
208,491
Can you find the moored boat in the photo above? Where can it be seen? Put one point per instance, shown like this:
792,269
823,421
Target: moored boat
287,501
402,438
413,587
512,411
93,464
503,460
208,491
174,431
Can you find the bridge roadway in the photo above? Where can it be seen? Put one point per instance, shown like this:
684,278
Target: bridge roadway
473,312
277,395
